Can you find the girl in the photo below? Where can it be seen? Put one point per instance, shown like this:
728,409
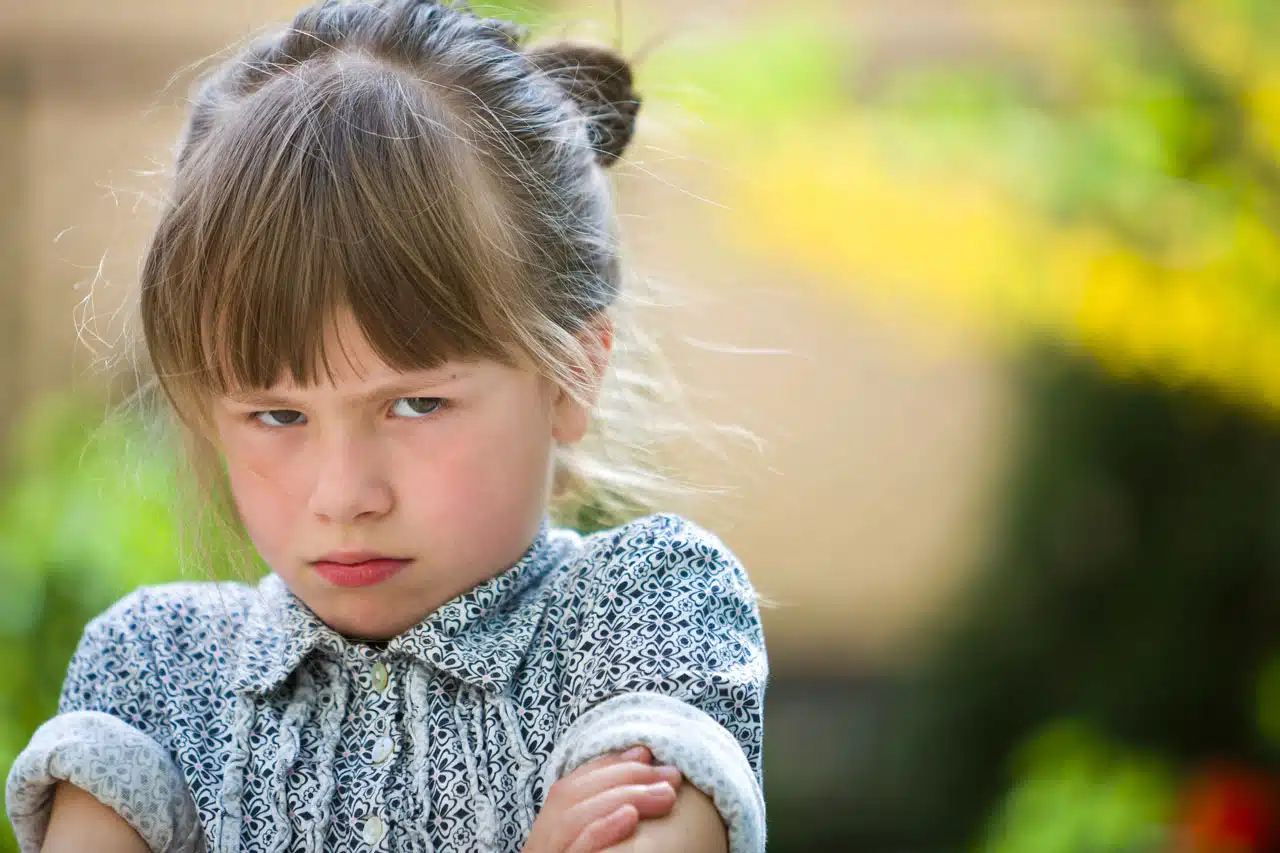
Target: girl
378,303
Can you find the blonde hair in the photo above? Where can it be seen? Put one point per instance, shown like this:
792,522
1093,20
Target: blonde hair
415,164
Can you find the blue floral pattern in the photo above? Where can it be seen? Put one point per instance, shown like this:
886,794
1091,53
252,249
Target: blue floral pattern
290,737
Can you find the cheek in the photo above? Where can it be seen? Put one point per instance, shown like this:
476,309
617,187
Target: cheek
497,466
259,484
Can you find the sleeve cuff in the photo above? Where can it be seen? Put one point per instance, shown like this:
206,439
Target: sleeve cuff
120,766
676,733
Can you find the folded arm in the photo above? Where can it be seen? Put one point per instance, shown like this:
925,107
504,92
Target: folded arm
720,805
693,826
79,822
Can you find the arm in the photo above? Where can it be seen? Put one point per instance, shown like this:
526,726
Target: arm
79,822
108,741
602,802
693,826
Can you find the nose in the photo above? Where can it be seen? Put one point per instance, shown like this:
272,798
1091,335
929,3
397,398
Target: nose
350,483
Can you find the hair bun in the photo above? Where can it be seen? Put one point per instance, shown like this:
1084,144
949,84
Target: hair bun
598,79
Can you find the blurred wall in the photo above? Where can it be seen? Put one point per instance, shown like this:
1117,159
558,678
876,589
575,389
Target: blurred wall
860,515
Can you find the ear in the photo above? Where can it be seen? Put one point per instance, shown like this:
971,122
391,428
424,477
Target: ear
571,418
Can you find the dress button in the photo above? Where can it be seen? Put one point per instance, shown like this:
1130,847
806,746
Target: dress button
374,830
380,676
382,749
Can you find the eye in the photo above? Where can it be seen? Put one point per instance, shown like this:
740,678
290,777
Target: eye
417,407
279,417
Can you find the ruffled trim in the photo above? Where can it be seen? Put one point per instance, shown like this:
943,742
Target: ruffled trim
526,767
122,768
416,700
330,730
486,819
676,733
233,776
288,743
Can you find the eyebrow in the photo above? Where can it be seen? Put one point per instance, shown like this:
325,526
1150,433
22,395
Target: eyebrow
395,388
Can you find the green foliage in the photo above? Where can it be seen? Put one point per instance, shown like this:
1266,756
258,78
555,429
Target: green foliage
1076,793
1132,151
753,80
529,13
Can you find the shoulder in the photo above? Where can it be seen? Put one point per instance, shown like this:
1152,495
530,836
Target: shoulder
179,605
661,605
153,642
169,617
665,544
658,558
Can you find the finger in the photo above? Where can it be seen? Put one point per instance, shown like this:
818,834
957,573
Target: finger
607,831
635,753
576,788
649,801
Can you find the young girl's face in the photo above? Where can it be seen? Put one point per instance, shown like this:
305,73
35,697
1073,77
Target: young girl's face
447,471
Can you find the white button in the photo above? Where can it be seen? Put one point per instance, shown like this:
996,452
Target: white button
382,749
380,676
374,830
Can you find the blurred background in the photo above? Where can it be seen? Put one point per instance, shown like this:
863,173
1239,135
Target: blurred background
997,286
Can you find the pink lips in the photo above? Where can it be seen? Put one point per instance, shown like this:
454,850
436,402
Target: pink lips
357,569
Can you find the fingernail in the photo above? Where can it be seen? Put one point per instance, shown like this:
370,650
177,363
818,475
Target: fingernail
636,753
660,788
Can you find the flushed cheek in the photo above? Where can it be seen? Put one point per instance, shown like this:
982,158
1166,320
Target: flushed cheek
279,469
446,492
267,503
483,489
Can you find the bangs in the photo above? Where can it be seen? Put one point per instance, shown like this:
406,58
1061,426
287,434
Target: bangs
343,187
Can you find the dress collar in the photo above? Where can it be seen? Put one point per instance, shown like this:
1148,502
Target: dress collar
480,636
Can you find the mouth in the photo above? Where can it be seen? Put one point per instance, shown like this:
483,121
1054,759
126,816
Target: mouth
358,569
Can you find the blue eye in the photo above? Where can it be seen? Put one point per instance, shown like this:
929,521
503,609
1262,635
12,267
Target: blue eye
281,417
417,407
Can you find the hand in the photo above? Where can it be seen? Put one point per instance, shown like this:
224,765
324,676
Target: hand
602,802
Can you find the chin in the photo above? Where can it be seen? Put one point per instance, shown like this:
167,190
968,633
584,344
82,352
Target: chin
363,616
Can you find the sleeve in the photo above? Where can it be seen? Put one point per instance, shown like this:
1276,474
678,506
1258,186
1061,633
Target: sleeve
107,740
670,654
